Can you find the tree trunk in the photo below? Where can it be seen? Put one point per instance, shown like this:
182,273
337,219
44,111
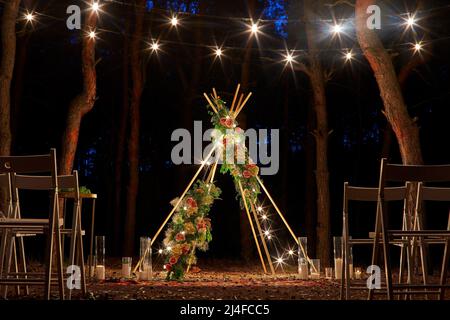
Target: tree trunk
121,137
395,109
84,102
8,34
405,130
317,79
137,78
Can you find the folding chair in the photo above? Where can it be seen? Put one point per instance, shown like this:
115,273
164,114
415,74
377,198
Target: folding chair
74,231
15,225
402,173
432,194
361,194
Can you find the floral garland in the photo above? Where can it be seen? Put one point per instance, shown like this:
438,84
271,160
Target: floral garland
190,229
246,171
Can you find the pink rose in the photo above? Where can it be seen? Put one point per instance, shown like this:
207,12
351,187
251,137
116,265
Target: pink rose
173,260
180,237
247,174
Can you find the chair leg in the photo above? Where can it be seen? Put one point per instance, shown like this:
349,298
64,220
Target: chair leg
3,255
16,264
8,259
445,262
375,248
59,259
73,242
424,265
387,260
81,255
24,262
49,260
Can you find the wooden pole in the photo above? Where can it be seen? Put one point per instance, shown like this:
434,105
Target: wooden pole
178,202
210,103
258,225
242,105
285,222
251,225
235,97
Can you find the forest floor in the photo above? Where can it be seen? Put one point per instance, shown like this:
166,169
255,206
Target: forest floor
217,280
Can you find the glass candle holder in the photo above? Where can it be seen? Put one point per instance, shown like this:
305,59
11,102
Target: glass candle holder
126,267
358,273
145,268
338,254
92,262
350,264
100,257
329,273
303,258
314,268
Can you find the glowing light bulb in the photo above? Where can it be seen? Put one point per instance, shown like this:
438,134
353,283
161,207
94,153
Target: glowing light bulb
337,28
259,208
289,58
269,237
349,56
169,248
290,252
410,21
183,232
254,28
160,251
218,52
264,217
92,35
95,6
418,46
154,46
279,260
29,17
174,21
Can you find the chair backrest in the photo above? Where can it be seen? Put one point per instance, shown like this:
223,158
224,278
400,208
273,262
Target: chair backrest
413,173
364,194
29,164
433,193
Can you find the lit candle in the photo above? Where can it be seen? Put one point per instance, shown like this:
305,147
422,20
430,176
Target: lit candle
315,275
126,267
358,273
100,272
338,268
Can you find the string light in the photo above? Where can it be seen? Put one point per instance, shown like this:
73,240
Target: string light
348,56
291,252
154,46
218,52
95,6
29,17
289,58
418,47
259,208
174,21
337,28
160,251
264,217
92,35
254,28
410,22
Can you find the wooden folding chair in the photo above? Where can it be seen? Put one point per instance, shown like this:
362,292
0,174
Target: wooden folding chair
15,225
402,173
361,194
432,194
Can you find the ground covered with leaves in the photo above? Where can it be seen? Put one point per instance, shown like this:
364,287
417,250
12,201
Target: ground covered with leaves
217,280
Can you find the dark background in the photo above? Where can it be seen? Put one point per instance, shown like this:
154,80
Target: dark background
281,99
